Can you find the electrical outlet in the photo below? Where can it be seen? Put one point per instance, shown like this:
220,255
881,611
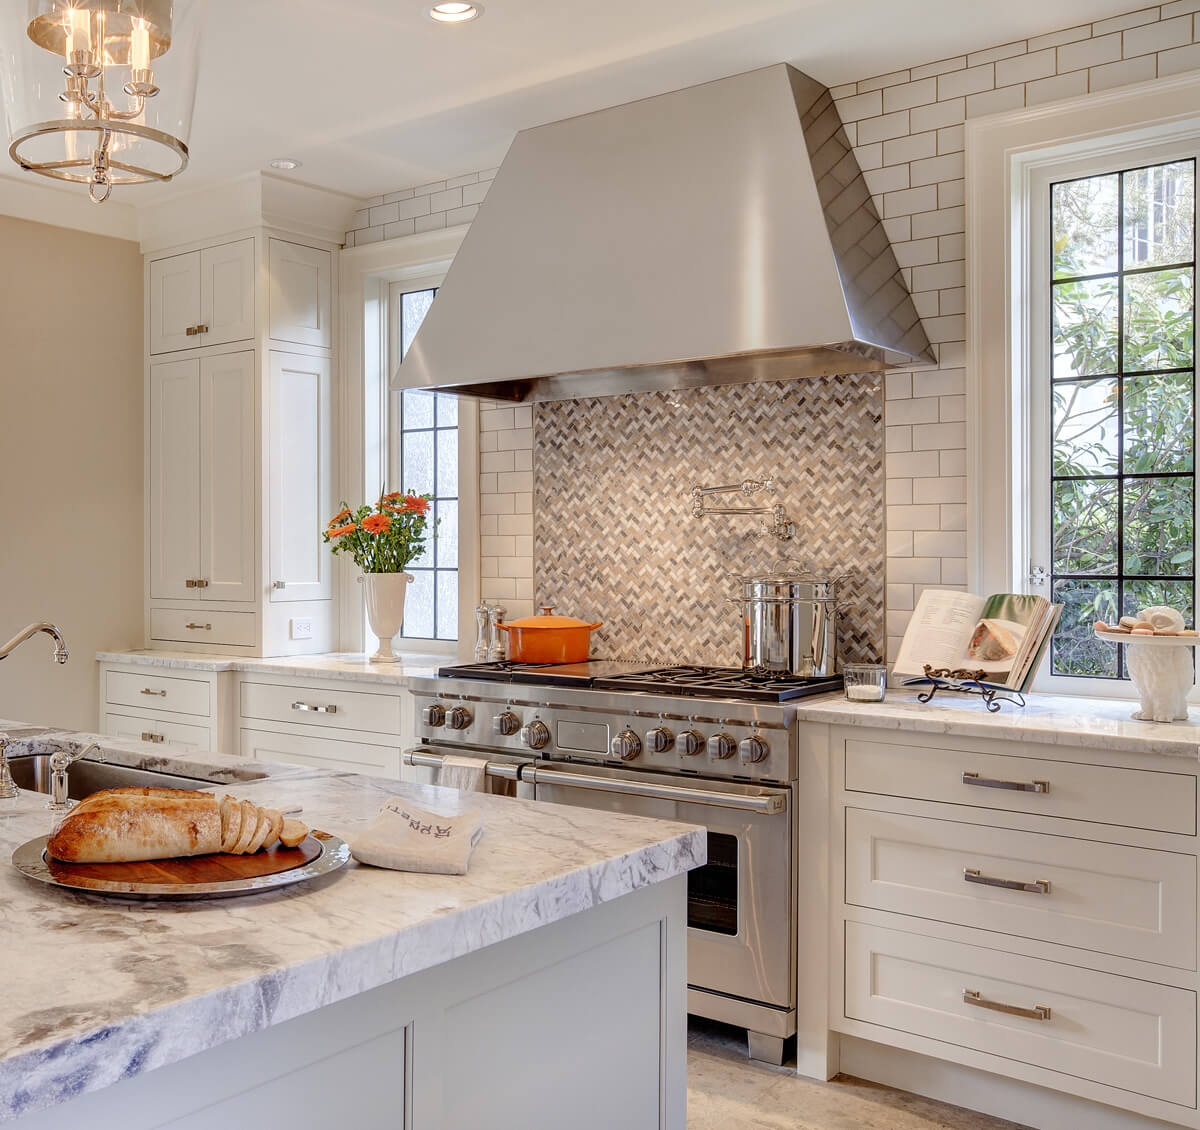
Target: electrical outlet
302,628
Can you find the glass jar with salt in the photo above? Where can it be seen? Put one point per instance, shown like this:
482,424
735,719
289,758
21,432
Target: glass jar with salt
865,682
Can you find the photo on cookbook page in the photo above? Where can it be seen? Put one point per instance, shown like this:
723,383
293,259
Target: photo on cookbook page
998,638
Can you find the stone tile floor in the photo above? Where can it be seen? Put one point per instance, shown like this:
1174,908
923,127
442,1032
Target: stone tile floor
727,1091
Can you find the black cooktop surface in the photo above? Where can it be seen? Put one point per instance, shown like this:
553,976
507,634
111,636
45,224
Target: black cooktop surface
616,675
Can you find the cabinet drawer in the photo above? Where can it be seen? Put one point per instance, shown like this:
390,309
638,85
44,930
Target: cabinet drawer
203,626
162,692
168,734
303,749
1131,902
1132,798
343,710
1135,1035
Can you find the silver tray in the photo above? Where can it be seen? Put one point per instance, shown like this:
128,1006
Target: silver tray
30,860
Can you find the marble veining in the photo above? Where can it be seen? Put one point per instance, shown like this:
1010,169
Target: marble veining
338,666
108,989
1093,723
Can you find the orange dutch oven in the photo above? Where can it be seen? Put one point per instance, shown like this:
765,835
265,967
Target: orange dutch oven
548,638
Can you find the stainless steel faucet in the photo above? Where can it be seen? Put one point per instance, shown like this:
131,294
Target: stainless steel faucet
60,645
60,762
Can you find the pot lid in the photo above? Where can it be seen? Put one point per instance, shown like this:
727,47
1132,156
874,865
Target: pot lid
547,619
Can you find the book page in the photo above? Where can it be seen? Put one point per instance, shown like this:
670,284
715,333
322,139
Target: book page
939,631
1011,627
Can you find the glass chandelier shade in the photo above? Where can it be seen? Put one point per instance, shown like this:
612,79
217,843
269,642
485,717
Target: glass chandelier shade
100,92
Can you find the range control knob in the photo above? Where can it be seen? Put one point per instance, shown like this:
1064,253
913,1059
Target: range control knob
753,749
626,745
506,723
721,747
434,715
459,718
691,742
536,735
659,740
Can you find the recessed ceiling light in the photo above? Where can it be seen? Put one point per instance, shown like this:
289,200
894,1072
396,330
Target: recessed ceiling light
285,163
455,13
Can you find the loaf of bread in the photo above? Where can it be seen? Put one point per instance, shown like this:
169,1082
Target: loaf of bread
130,824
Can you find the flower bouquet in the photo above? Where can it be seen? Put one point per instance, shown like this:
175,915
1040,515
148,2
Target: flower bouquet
382,539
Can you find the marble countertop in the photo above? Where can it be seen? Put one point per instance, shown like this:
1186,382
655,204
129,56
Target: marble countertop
1065,720
103,989
343,666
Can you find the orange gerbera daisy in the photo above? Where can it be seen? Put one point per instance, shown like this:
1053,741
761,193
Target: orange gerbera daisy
350,527
376,523
416,502
340,516
391,496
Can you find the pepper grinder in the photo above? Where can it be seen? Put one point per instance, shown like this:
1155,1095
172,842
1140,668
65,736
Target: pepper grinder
483,632
498,645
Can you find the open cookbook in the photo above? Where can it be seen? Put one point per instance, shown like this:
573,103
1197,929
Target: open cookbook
1005,636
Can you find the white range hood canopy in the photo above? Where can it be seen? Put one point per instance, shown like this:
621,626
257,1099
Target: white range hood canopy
714,235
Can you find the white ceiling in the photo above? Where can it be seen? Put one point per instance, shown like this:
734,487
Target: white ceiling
371,95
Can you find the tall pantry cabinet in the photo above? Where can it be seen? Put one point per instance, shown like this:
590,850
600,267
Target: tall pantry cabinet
239,445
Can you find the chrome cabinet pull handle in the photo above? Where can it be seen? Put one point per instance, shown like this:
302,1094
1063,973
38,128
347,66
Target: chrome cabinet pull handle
1016,786
191,331
200,584
199,627
149,737
147,690
1038,1012
1037,887
316,709
279,584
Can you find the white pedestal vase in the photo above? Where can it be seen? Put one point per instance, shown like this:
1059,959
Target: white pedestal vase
1163,673
385,609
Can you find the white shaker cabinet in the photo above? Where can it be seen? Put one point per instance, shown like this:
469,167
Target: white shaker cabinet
174,474
201,473
202,297
300,476
174,302
301,306
240,445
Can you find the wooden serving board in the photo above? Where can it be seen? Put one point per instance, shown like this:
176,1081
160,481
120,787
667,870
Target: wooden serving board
195,877
189,870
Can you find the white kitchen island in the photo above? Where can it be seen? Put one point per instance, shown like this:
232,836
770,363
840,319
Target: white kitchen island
545,988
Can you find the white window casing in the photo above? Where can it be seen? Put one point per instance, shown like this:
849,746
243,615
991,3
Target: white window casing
366,364
1011,160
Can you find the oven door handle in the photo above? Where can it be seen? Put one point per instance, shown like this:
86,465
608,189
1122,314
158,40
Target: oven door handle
769,804
436,761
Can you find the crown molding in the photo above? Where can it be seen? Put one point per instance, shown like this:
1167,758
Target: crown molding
252,201
27,197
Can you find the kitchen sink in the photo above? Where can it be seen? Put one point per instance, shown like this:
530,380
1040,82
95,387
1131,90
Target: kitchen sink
87,777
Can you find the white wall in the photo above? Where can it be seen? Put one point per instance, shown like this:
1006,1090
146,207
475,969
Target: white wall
907,131
70,461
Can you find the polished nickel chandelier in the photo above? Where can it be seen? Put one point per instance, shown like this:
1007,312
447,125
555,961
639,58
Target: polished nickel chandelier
100,92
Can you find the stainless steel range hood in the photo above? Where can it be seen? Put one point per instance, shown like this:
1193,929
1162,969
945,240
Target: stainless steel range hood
714,235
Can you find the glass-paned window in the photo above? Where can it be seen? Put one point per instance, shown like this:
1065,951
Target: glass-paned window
1122,404
427,428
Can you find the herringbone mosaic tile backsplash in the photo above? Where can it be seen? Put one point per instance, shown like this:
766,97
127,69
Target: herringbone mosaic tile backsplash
615,539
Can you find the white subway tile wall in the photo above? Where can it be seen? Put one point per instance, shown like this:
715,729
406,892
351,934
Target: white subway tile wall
906,127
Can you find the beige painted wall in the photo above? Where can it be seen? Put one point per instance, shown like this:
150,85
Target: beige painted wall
70,461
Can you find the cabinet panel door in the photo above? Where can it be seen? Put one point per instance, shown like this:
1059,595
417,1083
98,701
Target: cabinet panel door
174,302
160,731
227,476
174,477
301,308
227,292
299,477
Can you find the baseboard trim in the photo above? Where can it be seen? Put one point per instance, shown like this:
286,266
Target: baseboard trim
1013,1099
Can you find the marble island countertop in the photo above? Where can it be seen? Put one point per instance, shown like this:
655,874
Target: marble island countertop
342,666
1065,720
103,989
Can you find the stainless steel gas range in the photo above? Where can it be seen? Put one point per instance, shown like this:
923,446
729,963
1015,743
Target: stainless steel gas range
706,746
